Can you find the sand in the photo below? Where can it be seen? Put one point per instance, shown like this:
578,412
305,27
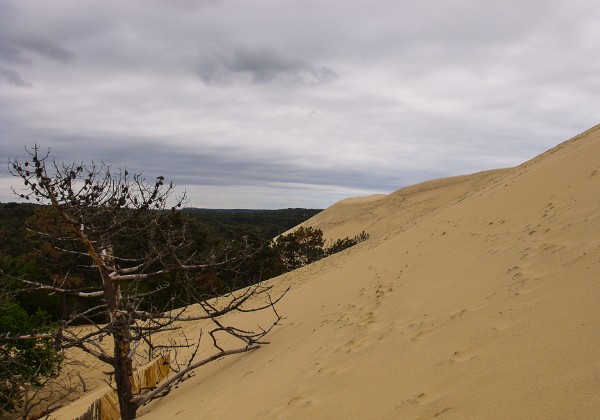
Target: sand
475,297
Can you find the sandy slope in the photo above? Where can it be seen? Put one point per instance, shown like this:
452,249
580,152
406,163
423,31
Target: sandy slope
476,297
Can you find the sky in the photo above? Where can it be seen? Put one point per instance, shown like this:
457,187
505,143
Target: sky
280,103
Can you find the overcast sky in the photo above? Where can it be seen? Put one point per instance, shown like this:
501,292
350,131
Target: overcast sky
279,103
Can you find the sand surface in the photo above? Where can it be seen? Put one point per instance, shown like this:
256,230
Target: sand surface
475,297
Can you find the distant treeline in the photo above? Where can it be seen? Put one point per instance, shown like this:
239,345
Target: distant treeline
216,224
234,224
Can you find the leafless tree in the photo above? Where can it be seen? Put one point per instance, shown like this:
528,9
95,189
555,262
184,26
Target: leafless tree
100,208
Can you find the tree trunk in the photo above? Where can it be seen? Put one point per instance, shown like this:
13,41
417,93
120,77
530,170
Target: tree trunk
122,340
123,376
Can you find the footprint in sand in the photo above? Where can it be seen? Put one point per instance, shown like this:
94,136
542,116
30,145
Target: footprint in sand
459,313
421,334
463,356
439,413
298,402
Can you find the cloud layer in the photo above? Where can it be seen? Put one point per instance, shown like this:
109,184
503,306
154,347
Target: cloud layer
275,104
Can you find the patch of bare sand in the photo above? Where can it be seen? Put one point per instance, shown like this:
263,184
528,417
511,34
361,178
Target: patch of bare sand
476,297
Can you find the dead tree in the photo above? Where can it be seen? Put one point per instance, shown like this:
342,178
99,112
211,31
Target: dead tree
100,208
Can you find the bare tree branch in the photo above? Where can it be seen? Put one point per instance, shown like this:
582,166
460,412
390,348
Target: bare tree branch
40,286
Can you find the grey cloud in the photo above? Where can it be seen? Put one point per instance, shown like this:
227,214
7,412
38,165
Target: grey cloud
18,50
11,53
47,49
261,66
12,77
17,46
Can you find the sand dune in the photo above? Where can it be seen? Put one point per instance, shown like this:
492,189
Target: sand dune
476,297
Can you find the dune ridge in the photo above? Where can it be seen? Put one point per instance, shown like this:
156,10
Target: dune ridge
381,214
476,297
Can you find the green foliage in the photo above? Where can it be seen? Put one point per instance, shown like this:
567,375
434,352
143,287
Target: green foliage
306,245
301,247
342,244
24,364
